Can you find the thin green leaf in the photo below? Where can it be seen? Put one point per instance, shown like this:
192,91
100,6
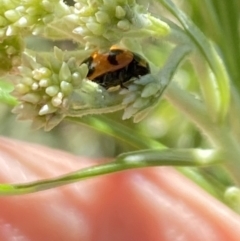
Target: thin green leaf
5,97
119,131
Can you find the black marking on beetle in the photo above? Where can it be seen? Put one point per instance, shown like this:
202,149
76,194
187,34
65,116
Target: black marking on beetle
112,55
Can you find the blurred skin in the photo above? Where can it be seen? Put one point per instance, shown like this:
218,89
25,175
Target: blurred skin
152,204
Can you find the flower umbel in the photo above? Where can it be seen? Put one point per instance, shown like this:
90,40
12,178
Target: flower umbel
141,97
103,23
51,87
44,86
30,16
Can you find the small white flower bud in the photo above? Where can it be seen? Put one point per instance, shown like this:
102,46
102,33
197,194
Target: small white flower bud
129,112
102,17
140,102
52,90
95,28
44,82
31,97
66,87
12,15
47,109
65,73
129,98
27,81
120,12
35,86
22,88
11,30
56,101
124,25
150,90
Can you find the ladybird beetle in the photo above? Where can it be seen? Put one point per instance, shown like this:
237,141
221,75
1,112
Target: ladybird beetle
115,67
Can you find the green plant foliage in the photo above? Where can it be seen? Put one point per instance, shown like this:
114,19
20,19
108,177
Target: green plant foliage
184,112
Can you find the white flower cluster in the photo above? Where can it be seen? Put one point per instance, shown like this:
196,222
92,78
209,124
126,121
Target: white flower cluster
45,86
31,16
141,97
102,23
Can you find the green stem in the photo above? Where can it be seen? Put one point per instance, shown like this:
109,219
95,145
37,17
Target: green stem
209,53
193,108
132,160
220,136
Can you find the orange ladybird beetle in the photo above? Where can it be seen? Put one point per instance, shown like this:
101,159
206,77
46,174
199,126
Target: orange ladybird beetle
115,67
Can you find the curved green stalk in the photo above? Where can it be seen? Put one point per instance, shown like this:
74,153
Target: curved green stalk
210,54
220,136
139,159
